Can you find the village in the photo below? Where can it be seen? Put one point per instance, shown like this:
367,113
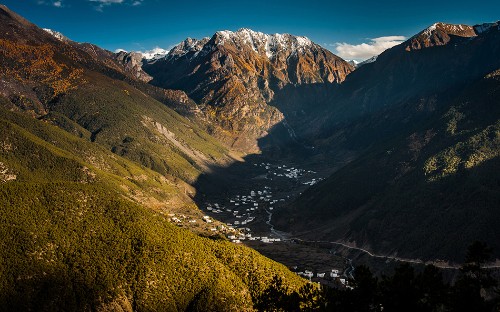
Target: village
244,216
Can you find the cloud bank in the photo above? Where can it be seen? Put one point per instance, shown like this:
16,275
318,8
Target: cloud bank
364,51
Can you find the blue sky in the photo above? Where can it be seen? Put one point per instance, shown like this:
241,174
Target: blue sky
354,29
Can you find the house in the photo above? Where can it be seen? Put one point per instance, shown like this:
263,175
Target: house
308,274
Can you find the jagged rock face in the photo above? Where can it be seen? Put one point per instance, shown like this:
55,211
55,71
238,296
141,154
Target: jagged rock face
234,75
133,64
438,34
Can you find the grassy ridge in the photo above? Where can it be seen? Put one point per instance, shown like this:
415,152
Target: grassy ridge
136,126
69,246
71,238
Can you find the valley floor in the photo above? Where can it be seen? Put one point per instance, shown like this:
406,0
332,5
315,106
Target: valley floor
254,190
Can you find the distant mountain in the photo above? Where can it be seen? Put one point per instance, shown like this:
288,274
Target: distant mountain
368,61
438,34
235,75
421,129
56,34
155,53
132,62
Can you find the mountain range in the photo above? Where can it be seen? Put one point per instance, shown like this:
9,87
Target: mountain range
423,123
101,152
234,76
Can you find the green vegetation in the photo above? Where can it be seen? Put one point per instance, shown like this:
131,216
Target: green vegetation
72,246
72,238
137,127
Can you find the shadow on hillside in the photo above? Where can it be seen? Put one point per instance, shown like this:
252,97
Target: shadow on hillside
288,142
277,147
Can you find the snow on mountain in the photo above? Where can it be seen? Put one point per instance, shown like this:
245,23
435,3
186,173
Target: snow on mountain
260,42
459,29
154,54
56,34
368,61
479,29
187,46
438,34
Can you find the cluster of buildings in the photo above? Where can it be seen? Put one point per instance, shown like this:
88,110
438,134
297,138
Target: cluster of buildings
283,170
334,275
240,211
312,182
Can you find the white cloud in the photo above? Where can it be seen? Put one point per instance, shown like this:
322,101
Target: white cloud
103,3
120,50
57,3
364,51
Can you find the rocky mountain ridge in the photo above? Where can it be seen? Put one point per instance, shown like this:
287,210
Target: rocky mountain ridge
438,34
233,76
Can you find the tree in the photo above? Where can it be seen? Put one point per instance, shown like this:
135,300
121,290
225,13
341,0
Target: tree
431,289
474,281
365,287
273,298
398,292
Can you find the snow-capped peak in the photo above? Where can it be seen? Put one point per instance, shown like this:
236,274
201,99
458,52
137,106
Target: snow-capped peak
368,61
154,54
56,34
459,30
479,29
188,45
261,42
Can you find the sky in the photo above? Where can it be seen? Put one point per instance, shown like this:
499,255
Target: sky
352,29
